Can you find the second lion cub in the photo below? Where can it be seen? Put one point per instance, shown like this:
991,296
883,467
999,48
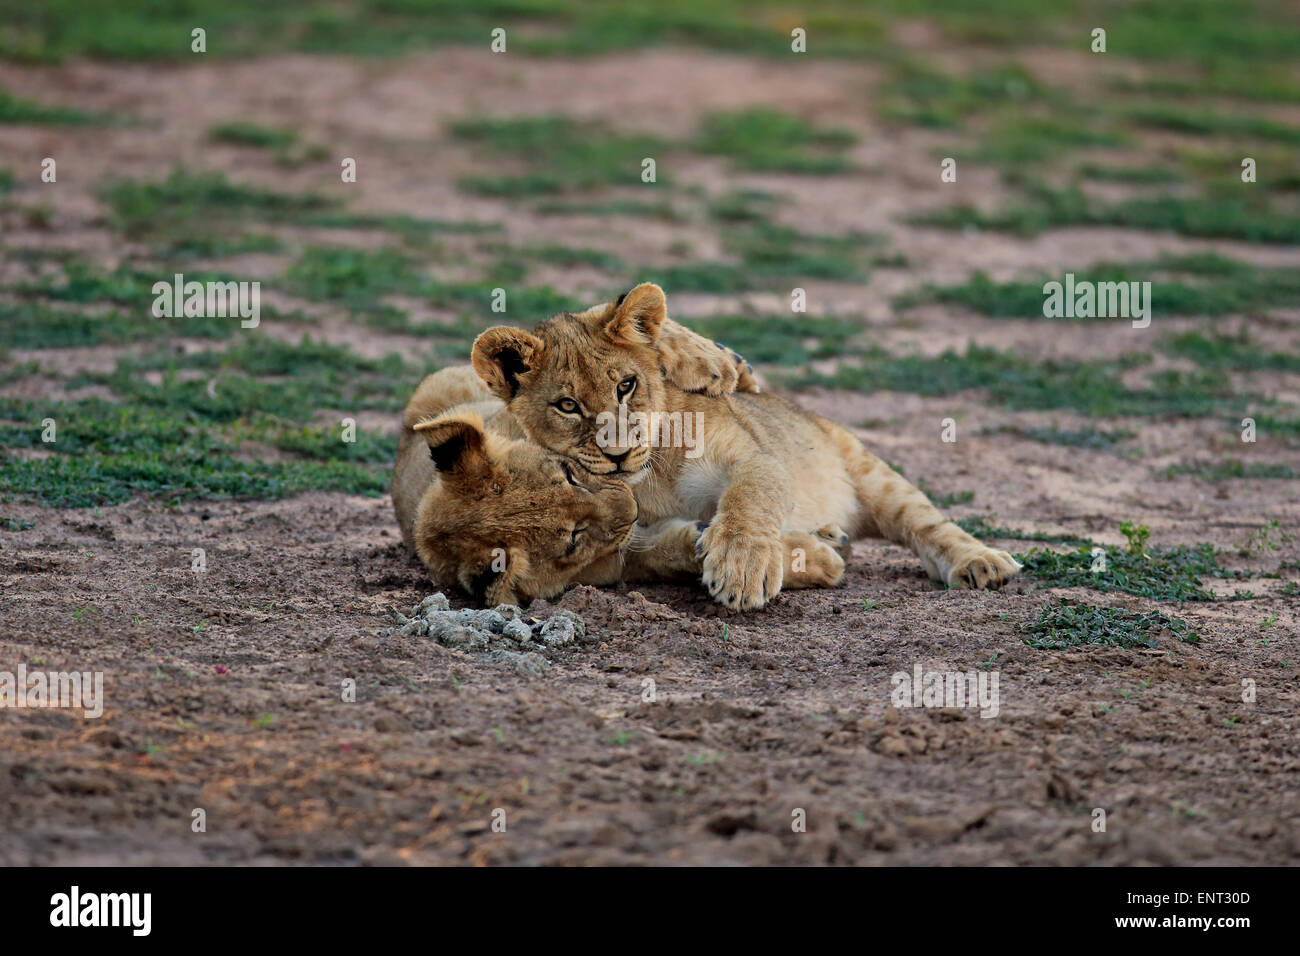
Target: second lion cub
762,465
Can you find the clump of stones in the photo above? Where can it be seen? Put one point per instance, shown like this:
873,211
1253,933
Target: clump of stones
505,633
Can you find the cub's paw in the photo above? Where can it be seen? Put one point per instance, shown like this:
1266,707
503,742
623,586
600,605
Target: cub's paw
695,364
837,538
698,370
822,566
983,568
745,380
742,571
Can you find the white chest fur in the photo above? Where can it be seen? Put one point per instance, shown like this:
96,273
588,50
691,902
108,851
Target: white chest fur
699,487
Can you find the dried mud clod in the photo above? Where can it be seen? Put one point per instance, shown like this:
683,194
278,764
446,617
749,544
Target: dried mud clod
505,634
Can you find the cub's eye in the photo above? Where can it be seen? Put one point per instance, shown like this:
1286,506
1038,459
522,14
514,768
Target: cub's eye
568,406
573,540
568,474
626,386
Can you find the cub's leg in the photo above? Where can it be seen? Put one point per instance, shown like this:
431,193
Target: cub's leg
663,552
744,560
696,364
895,509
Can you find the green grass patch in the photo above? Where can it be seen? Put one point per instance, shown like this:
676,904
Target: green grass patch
357,278
362,279
1136,175
1233,468
1256,82
142,209
200,214
982,527
286,145
647,209
406,227
1273,425
134,30
289,381
18,112
243,133
769,254
200,429
1090,387
923,96
107,453
66,482
1241,36
1070,624
218,246
1163,574
780,339
1205,284
1016,139
33,325
48,313
1220,217
765,140
1197,121
771,251
18,371
1219,351
1098,439
742,206
567,257
563,155
945,499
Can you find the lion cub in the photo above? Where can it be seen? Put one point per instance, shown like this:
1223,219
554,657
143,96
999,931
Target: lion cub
759,466
494,514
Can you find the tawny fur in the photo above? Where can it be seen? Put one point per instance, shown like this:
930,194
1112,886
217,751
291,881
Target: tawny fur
767,466
498,518
497,523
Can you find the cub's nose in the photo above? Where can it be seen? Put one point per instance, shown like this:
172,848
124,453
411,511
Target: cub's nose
618,459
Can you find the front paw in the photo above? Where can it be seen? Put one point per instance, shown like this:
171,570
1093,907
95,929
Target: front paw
742,571
706,374
983,568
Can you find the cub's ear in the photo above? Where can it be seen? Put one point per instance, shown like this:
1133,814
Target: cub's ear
456,445
501,355
638,315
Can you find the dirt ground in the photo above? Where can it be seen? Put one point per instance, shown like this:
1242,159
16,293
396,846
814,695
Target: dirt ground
789,709
223,687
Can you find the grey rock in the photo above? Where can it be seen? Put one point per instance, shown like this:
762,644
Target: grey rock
434,602
530,664
518,631
489,621
558,631
510,612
